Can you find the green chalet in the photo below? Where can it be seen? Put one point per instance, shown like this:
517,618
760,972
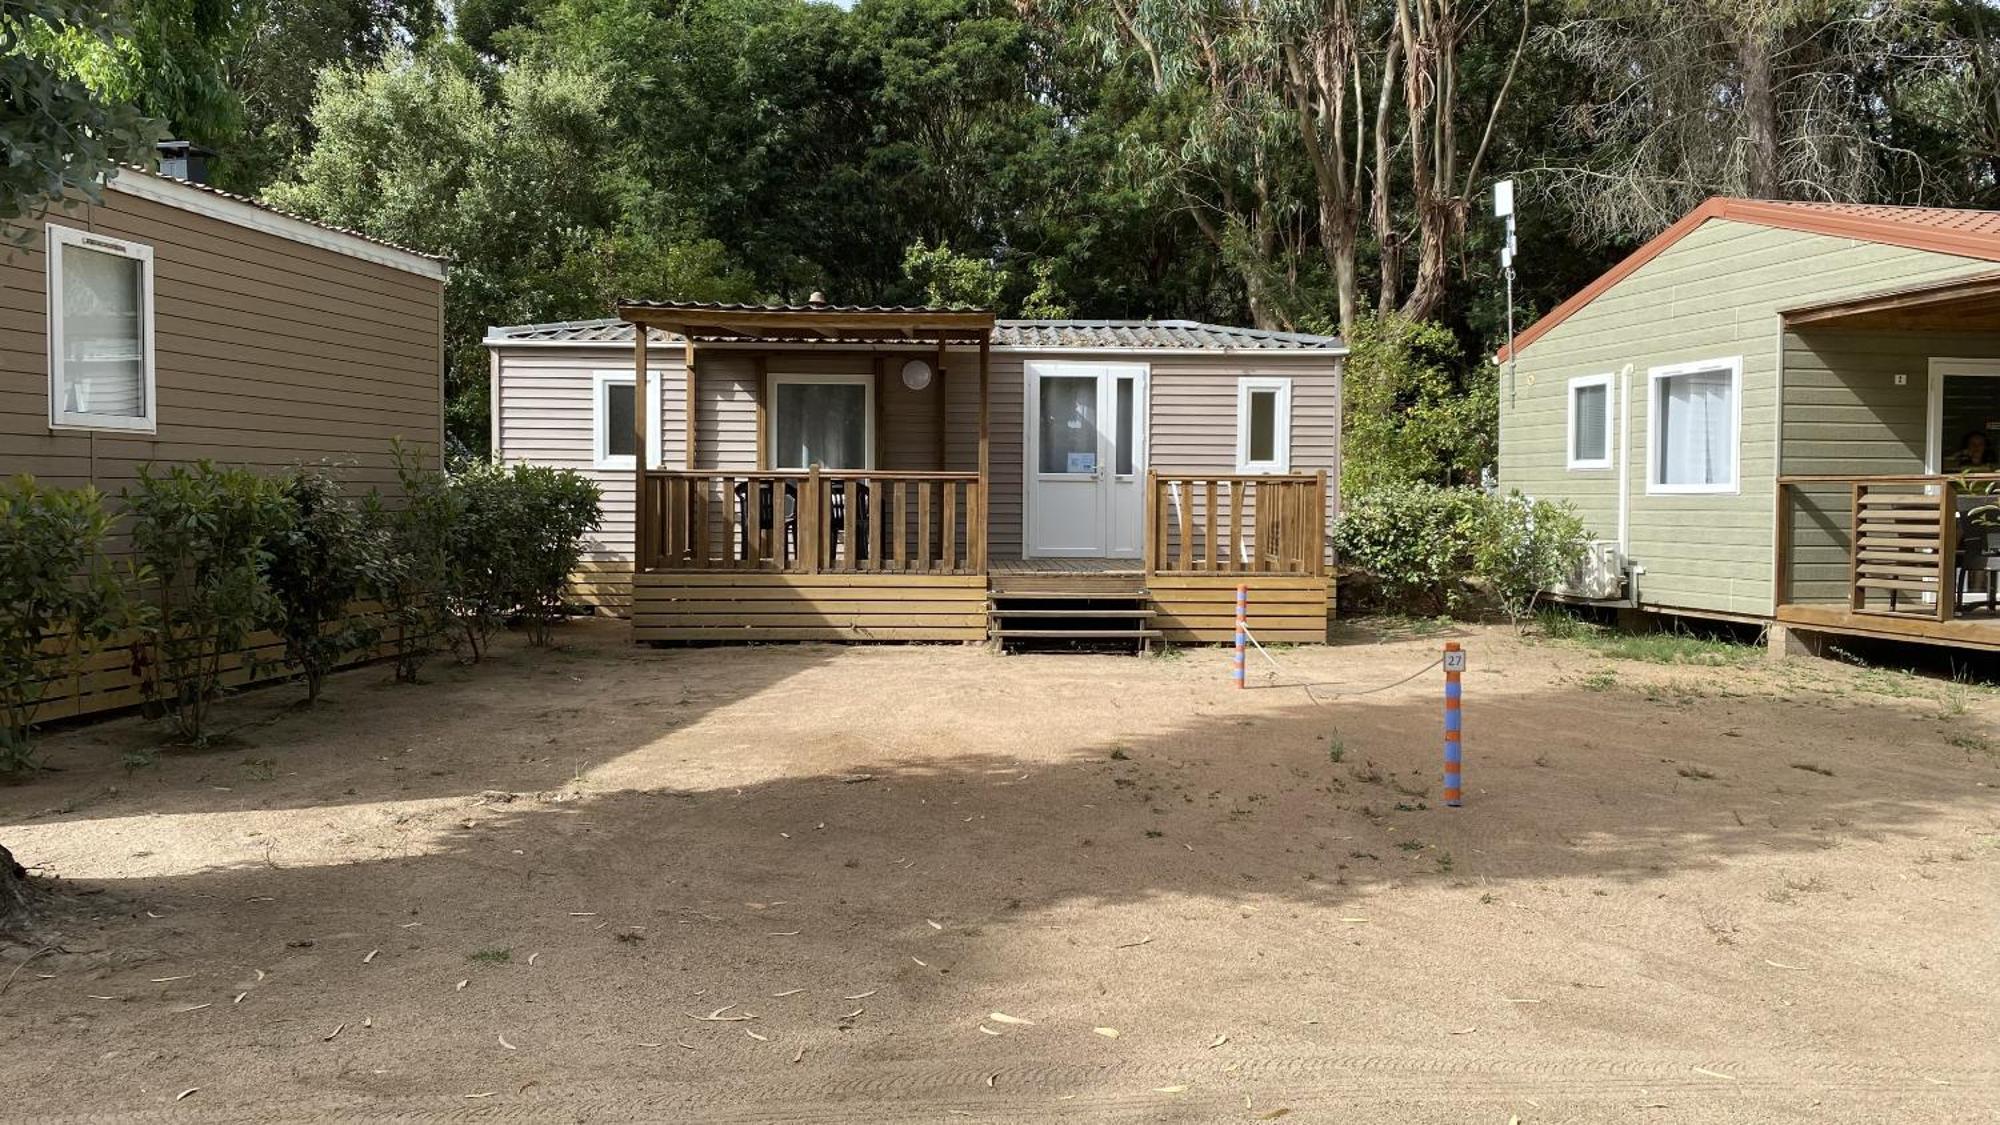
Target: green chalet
1782,413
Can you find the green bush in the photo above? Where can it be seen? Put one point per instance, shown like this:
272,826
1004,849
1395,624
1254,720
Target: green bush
1525,547
1412,411
1434,550
557,508
485,553
203,535
518,537
321,561
413,578
58,597
1416,542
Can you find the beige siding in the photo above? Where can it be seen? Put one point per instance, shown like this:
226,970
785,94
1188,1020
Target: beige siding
546,416
1715,294
543,406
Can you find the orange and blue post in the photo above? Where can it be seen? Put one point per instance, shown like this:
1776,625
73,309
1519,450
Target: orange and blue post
1240,662
1454,729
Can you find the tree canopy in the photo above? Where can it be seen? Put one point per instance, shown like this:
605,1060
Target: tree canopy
1307,164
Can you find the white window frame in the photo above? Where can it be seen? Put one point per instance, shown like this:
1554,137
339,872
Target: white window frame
599,455
59,418
1576,463
1734,485
863,380
1282,444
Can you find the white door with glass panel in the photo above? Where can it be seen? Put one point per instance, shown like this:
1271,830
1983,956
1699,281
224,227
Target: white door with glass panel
1086,437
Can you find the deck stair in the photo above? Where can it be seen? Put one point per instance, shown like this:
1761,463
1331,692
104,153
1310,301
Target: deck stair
1071,612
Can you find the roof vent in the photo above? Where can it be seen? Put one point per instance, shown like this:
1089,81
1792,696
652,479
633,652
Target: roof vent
184,160
817,298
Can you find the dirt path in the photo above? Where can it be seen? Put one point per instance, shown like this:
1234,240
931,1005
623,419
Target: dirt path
560,888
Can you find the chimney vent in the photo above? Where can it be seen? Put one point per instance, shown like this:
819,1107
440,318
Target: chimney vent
184,160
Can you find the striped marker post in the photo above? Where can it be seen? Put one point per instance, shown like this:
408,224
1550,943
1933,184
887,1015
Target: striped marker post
1454,748
1239,664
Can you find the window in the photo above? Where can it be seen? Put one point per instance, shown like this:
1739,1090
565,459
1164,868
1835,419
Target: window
825,420
1069,424
1263,425
1590,422
1127,392
612,410
100,332
1693,414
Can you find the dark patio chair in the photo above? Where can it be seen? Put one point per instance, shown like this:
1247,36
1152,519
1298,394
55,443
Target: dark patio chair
1978,549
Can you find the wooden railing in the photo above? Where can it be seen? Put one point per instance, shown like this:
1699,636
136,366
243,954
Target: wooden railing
1882,545
1235,524
812,522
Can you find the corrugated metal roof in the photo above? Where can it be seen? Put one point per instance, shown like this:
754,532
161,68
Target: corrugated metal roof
1055,335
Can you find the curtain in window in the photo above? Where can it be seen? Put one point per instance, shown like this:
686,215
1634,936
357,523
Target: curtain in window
1592,430
1697,429
103,371
821,423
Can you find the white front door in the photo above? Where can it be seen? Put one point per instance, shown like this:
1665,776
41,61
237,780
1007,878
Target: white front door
1086,435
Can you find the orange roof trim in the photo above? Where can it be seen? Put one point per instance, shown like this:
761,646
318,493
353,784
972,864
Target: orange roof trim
1940,230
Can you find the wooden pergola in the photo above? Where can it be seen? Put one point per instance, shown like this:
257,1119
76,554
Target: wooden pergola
802,327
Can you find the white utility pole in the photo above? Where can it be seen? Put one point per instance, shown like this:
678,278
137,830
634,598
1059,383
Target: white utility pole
1503,209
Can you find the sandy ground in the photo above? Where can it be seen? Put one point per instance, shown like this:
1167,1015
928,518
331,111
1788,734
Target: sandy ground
828,884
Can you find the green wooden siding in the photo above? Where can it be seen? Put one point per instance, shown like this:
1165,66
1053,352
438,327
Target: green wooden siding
1844,413
1716,295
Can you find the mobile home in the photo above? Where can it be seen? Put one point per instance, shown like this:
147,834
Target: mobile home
1779,412
169,322
934,474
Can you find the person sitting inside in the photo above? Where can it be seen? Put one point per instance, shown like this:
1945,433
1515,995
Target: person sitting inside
1974,454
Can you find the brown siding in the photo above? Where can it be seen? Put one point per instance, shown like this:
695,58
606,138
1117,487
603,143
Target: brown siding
267,352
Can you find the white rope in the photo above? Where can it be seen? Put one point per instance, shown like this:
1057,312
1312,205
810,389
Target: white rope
1308,688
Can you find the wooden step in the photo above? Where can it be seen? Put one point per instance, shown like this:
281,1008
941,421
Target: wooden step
1070,595
1080,634
1069,613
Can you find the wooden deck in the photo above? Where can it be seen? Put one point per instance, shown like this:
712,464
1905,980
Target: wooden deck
1981,632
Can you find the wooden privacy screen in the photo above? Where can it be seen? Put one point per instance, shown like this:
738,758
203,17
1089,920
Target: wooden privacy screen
813,522
1236,524
1905,548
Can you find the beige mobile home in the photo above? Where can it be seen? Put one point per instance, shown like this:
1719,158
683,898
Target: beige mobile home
1779,412
170,323
935,474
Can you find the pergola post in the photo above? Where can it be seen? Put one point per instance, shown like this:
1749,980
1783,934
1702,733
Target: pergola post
642,526
689,354
985,440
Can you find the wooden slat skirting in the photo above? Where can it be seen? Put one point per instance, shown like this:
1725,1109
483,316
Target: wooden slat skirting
606,586
1283,609
744,607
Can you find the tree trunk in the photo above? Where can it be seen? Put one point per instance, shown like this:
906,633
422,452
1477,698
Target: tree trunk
13,891
1760,110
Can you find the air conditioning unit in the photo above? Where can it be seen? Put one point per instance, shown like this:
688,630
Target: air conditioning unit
1598,576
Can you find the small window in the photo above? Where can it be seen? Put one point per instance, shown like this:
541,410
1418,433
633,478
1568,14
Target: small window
100,332
1590,422
1693,427
1264,426
822,420
1127,389
616,444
